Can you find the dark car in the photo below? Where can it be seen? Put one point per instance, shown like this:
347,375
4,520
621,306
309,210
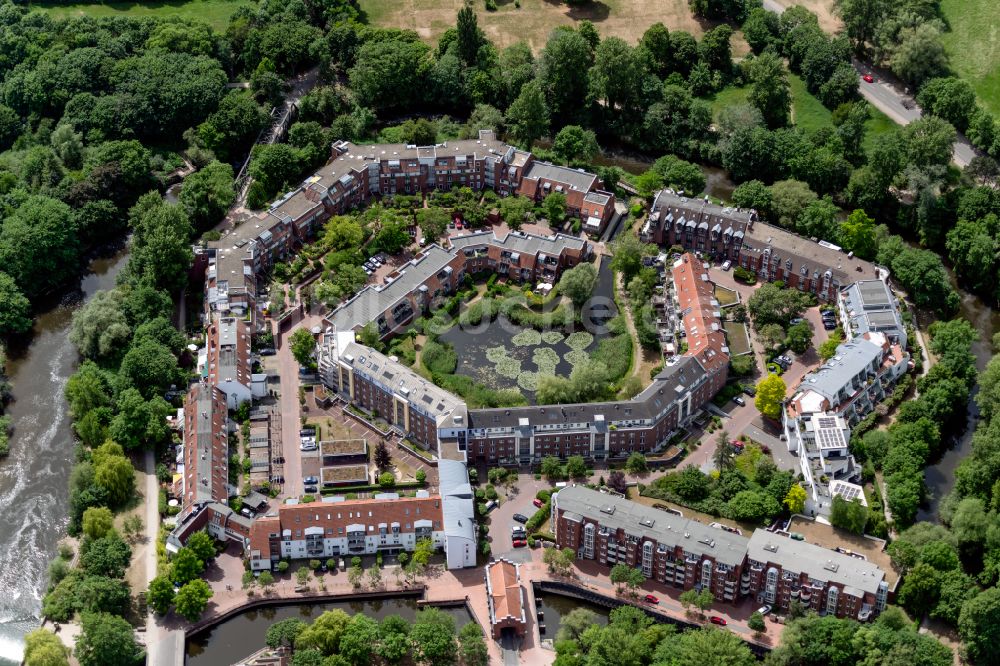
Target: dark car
520,517
750,390
829,325
267,351
310,489
310,480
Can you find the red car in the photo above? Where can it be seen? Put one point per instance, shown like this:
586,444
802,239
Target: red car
651,599
715,619
537,502
520,543
868,78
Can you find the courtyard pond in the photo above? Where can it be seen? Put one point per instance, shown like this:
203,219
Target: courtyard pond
504,355
243,634
555,606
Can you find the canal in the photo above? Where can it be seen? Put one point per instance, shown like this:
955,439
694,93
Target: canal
34,477
244,634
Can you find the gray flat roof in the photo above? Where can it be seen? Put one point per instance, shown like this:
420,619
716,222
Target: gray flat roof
670,383
576,179
815,561
640,520
874,293
520,241
852,357
373,300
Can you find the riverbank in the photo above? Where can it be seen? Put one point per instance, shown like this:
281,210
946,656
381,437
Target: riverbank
33,488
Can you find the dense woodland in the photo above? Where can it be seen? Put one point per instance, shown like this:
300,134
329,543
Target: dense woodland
96,114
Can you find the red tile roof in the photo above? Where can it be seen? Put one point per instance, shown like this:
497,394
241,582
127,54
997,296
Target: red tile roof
706,338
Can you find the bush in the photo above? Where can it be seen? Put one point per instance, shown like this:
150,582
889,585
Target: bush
745,276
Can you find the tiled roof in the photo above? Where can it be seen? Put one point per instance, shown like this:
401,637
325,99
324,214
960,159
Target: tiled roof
504,582
699,312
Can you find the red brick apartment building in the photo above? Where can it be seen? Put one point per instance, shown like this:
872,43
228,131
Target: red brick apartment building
812,265
206,445
768,567
356,173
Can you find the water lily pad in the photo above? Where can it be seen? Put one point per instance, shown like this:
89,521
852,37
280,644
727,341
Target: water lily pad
529,337
528,381
579,340
576,356
552,337
509,367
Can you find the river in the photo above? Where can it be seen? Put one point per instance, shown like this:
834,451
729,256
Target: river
940,476
34,478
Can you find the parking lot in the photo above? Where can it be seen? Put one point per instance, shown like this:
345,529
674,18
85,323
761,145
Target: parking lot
501,519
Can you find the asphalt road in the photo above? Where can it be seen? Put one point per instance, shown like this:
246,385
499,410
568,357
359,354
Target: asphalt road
888,95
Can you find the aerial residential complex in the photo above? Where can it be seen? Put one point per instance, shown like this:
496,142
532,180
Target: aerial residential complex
739,236
355,174
835,396
768,567
524,435
435,273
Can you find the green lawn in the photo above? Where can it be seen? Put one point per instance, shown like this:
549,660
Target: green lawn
973,46
807,111
878,124
216,13
728,96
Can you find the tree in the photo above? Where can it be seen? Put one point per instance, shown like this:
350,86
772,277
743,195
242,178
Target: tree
140,423
857,235
578,283
979,625
15,317
357,644
39,248
472,647
576,467
920,590
575,144
551,468
150,367
202,545
752,506
43,648
627,252
756,623
852,516
771,304
186,566
772,336
107,556
788,199
97,522
433,637
617,482
636,463
770,396
284,633
919,54
715,50
325,632
266,580
563,73
117,478
799,337
770,94
619,575
303,344
573,625
192,598
554,207
207,194
722,455
106,640
100,328
390,74
160,595
795,500
528,116
383,459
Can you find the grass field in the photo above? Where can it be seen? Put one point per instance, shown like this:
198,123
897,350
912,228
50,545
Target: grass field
807,111
973,45
216,13
535,19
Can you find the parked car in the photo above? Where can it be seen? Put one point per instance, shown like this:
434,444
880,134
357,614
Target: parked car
868,78
519,543
726,265
492,504
310,489
797,536
736,444
764,610
750,390
310,480
829,325
721,621
739,401
765,448
520,517
537,502
652,599
267,351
